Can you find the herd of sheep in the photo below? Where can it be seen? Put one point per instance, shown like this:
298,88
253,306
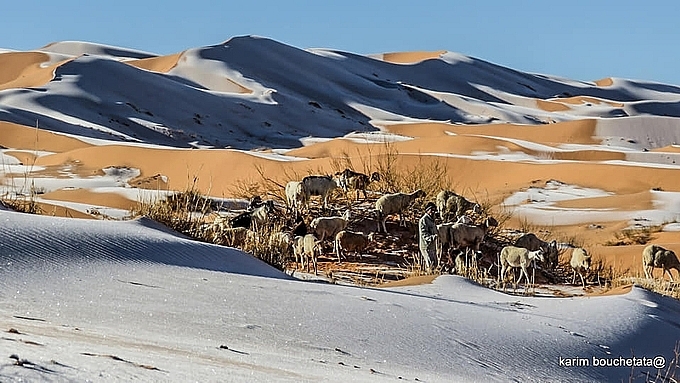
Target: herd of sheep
458,237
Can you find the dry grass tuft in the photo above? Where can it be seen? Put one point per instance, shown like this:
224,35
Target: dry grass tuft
634,236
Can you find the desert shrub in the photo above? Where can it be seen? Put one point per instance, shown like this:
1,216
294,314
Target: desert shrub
634,236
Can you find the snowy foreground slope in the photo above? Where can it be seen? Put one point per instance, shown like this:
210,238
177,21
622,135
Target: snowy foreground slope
130,301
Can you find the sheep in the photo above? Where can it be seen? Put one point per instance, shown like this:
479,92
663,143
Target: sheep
299,249
349,179
444,236
347,240
441,199
656,256
580,263
296,196
531,242
393,204
319,186
512,256
449,203
307,247
328,227
283,242
470,236
235,236
257,217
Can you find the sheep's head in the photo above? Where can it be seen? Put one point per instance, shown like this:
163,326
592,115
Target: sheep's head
375,176
419,193
538,254
587,260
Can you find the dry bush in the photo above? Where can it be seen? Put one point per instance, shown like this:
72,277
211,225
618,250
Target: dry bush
634,236
261,246
185,212
22,203
178,211
612,276
668,374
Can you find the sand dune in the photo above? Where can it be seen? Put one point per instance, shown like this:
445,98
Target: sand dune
410,57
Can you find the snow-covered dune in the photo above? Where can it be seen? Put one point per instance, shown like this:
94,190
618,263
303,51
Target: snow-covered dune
112,301
252,92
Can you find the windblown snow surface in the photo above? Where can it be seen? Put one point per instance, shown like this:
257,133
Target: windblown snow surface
85,300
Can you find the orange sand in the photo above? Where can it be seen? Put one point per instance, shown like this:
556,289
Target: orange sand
410,57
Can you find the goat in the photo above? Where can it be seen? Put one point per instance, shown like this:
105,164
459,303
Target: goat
328,227
347,240
656,256
255,202
512,256
580,263
349,179
310,249
393,204
300,228
319,186
296,196
531,242
257,217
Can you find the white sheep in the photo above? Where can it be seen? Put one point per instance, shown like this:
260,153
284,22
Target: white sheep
349,179
395,204
512,256
531,242
656,256
355,242
281,241
306,249
319,186
328,227
580,263
296,196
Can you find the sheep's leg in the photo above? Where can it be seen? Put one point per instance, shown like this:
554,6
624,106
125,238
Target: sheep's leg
522,272
315,263
583,281
670,275
337,249
573,279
